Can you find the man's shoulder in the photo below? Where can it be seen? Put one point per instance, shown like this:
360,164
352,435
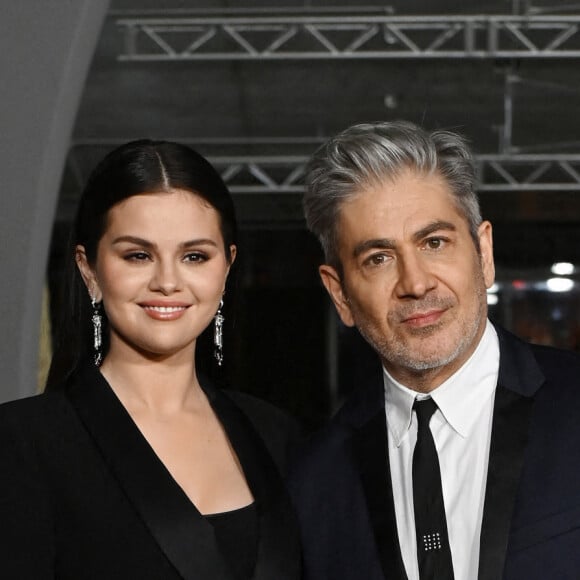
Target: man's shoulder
560,367
556,360
331,445
560,392
531,366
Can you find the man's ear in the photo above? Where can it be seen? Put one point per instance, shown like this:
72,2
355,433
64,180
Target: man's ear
486,251
333,285
87,273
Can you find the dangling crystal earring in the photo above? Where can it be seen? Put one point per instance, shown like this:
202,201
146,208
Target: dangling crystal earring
97,336
218,336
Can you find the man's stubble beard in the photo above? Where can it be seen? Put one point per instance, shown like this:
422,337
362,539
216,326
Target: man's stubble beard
396,353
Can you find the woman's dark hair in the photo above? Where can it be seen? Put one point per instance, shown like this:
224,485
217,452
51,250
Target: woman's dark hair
135,168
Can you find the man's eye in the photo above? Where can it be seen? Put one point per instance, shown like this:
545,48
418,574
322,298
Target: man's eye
434,243
376,259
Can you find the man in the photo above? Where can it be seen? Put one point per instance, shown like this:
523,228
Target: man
488,486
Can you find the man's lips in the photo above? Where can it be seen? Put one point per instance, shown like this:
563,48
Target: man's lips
418,319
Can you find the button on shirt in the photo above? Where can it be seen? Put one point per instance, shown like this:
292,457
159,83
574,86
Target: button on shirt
461,428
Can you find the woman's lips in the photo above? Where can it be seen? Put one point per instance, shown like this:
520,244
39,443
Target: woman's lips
164,311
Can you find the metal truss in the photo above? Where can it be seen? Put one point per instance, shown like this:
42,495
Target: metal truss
349,37
545,172
284,174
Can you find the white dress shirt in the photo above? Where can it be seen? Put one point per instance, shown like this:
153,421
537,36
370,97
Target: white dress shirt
461,429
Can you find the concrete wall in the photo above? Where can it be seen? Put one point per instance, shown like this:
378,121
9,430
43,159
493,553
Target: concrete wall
46,48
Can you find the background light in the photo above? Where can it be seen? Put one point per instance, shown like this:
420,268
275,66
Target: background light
560,284
562,268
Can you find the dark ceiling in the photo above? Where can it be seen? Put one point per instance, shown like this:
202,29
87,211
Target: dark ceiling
260,106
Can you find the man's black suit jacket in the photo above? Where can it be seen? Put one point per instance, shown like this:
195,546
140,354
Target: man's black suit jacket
83,496
531,523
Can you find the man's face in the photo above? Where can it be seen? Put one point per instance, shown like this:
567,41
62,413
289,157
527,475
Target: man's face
413,282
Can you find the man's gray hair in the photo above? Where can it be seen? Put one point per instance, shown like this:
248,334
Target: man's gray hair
368,154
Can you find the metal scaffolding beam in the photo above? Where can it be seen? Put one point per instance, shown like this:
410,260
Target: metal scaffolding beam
349,37
268,189
284,174
545,172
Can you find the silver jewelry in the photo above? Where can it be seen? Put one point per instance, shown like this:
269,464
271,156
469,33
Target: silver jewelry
218,335
97,332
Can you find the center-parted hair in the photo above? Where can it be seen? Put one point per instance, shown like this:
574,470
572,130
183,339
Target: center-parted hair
135,168
368,154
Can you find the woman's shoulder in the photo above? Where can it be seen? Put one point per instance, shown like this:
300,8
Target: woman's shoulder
28,413
261,411
280,432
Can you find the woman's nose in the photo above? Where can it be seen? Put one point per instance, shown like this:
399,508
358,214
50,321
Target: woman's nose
166,278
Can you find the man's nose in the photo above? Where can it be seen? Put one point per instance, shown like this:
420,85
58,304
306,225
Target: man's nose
414,276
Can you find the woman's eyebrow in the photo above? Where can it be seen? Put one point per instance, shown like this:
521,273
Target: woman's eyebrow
150,245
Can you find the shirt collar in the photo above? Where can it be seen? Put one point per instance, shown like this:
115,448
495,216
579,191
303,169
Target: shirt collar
459,403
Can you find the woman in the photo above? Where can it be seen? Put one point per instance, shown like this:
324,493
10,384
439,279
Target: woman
131,465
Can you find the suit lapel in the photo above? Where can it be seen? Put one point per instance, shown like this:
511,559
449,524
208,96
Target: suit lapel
185,537
370,449
278,549
508,440
519,379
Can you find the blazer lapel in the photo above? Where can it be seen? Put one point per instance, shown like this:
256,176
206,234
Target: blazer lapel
182,533
278,549
519,379
371,452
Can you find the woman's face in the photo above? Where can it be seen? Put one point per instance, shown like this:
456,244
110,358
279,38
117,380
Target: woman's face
160,271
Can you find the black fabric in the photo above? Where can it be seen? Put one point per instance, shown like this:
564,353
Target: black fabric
83,495
236,532
531,517
509,436
433,550
372,455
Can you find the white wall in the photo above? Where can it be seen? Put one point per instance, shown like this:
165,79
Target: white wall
46,48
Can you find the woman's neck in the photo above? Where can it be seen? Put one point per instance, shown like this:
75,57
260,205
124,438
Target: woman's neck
160,387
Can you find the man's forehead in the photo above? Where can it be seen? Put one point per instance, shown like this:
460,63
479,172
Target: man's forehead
359,222
409,193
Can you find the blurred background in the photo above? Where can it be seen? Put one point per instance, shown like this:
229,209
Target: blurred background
257,86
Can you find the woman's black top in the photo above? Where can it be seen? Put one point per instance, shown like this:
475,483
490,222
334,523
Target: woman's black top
83,494
237,536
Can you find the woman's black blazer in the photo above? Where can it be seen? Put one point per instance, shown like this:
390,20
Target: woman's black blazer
83,496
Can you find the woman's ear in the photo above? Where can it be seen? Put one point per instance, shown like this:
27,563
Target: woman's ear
87,273
233,253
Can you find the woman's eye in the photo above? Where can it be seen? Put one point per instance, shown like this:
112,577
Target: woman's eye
137,256
195,257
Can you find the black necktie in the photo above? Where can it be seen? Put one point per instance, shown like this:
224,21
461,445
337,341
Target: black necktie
433,552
